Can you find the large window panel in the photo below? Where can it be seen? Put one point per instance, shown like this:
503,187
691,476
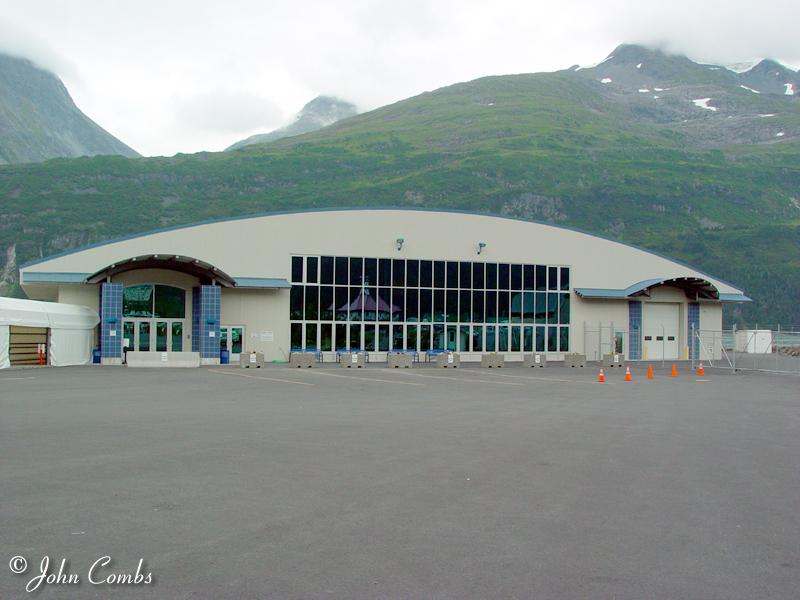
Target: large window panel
451,306
477,306
326,306
384,303
452,274
516,277
341,270
295,303
312,302
341,303
425,305
455,297
356,271
425,273
438,273
398,272
503,276
297,269
412,305
170,302
438,305
371,271
491,276
312,269
137,301
465,275
385,272
398,304
491,307
412,273
478,278
326,270
356,301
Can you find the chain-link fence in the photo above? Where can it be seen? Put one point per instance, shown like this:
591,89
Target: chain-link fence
771,350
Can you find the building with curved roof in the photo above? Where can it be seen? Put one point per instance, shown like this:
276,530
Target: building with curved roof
379,280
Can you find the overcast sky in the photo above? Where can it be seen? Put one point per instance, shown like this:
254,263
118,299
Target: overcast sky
169,76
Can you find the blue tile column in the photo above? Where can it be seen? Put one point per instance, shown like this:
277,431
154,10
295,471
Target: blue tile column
635,330
111,322
693,327
209,302
196,319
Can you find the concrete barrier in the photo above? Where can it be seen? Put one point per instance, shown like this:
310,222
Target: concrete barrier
164,359
613,360
574,360
538,359
399,360
302,360
351,360
447,360
251,360
493,360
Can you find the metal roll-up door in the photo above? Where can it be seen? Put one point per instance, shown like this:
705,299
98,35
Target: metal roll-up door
25,344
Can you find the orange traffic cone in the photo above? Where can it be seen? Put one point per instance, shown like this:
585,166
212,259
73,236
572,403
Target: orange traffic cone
674,371
602,377
649,371
628,374
701,371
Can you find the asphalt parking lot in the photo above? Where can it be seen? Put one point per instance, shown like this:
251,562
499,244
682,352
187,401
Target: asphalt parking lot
378,483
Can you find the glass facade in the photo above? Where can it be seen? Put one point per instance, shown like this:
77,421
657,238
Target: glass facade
380,304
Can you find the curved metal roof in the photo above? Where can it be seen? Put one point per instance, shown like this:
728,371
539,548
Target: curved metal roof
695,287
183,264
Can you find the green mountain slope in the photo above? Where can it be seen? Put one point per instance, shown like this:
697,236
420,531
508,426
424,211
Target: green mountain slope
560,147
39,120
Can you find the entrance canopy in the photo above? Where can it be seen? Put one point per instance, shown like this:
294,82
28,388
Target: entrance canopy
694,287
185,264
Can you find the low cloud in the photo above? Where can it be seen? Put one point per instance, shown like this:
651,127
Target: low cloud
227,112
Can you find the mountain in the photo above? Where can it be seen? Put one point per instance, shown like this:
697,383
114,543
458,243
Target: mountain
320,112
39,120
719,189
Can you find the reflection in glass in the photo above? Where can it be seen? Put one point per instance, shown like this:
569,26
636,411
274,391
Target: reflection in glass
369,337
144,337
297,269
326,270
380,291
527,339
425,273
128,331
490,340
170,302
438,274
137,301
311,336
311,269
297,337
477,338
326,337
177,337
383,338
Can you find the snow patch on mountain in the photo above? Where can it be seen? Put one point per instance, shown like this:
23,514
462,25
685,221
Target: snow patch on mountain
744,87
703,103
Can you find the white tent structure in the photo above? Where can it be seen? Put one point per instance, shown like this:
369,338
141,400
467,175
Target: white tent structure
71,329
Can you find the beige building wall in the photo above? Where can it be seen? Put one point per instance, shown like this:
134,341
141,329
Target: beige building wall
262,246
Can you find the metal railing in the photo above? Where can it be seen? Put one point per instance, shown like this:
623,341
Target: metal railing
769,350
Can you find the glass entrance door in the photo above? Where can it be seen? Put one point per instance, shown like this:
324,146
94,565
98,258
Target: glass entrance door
231,338
145,335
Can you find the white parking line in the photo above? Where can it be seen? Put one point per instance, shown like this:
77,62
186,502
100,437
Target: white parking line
262,378
362,378
457,379
533,377
15,378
